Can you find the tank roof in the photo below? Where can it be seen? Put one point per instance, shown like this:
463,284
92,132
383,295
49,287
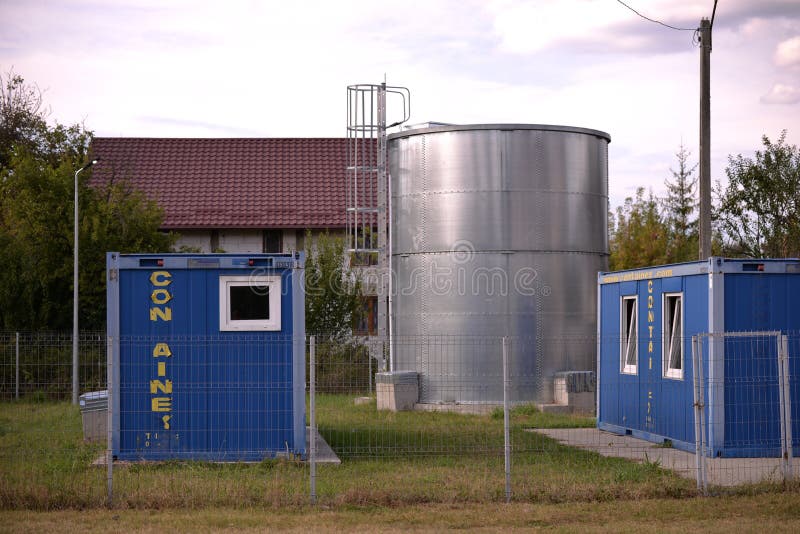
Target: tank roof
502,127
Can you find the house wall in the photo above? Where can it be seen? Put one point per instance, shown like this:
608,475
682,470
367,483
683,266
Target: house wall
194,239
239,240
289,240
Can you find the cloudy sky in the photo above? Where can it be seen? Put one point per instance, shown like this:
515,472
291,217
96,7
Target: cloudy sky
197,68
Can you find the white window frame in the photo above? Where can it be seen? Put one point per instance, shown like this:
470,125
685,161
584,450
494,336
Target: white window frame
226,324
669,338
625,342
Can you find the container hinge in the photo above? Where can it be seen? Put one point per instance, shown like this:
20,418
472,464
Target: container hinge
112,275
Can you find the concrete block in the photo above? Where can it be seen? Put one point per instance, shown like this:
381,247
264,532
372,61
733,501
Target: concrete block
575,389
397,391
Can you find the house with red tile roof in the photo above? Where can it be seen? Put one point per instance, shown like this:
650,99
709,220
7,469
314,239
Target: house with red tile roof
234,195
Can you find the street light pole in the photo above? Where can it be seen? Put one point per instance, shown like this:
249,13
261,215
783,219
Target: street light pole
75,289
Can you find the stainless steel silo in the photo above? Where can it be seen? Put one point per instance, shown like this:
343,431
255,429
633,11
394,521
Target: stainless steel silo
498,230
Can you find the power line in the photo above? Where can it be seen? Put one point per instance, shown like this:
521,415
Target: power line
713,14
658,21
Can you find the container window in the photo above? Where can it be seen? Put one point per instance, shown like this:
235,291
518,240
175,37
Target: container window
629,351
672,347
249,303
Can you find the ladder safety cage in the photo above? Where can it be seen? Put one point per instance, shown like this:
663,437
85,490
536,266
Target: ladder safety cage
368,188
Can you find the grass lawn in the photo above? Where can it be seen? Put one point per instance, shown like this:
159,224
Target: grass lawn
774,513
388,460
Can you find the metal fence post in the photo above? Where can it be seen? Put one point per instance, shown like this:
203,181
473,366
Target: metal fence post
506,429
312,420
695,380
784,393
369,356
699,407
16,381
703,421
109,421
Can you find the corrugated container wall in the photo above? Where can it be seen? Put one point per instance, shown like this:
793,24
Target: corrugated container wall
498,230
207,356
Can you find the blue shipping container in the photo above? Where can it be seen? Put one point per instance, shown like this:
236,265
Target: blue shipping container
646,320
206,356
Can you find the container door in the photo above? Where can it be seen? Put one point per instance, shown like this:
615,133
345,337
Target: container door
650,350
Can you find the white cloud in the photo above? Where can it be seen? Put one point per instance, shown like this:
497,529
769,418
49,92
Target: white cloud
788,52
782,94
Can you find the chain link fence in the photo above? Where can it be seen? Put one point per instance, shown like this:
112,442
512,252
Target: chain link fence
423,419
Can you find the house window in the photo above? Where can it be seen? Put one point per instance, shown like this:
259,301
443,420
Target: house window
629,349
249,303
364,259
366,323
672,347
273,242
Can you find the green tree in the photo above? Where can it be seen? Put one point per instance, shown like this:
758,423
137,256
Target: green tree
333,292
759,209
22,116
333,302
680,206
640,234
36,221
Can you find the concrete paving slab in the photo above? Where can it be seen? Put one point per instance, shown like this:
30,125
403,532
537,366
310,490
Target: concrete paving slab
719,471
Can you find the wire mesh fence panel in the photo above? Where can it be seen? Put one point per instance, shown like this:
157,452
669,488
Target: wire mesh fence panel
748,430
204,420
792,352
431,429
210,420
562,450
647,406
48,446
406,412
38,365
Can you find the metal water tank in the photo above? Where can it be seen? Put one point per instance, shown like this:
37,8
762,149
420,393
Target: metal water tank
498,231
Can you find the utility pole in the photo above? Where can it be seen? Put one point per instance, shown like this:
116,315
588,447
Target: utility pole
705,139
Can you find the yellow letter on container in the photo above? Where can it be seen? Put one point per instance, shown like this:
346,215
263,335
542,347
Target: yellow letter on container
164,387
161,404
161,349
160,296
164,314
160,278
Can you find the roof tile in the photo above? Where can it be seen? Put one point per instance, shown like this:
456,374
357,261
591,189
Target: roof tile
226,183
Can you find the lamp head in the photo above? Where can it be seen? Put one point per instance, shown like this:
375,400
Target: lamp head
95,160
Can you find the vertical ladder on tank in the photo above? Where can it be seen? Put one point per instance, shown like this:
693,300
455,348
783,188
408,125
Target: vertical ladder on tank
368,188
